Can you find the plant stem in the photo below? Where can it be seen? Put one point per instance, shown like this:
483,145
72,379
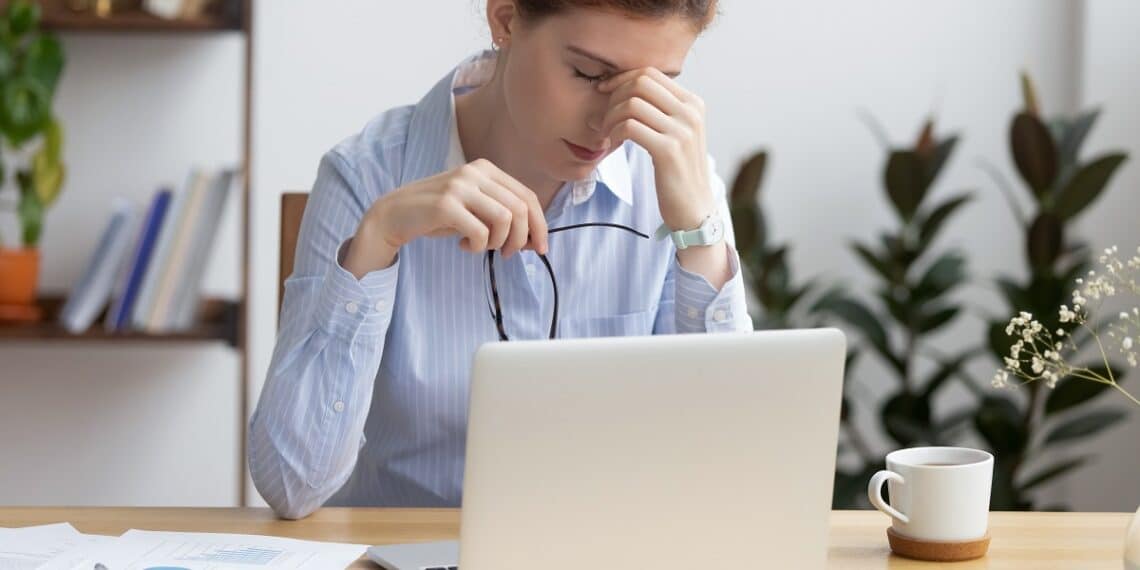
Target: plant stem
1126,394
1103,355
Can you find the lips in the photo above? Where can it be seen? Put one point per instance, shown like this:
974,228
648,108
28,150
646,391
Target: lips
583,153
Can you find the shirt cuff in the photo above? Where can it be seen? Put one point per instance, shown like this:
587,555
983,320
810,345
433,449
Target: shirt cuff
701,308
352,306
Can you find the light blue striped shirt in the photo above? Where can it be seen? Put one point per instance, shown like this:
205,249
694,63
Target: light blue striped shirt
365,401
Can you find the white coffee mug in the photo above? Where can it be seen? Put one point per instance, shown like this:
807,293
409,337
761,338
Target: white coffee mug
937,493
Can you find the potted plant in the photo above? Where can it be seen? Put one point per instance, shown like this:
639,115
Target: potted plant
1061,185
31,142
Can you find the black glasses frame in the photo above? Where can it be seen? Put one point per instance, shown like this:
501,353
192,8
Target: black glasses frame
495,306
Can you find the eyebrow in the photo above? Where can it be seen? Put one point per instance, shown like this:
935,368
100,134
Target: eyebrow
608,63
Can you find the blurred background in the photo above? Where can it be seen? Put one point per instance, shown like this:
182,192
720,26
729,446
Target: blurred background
829,90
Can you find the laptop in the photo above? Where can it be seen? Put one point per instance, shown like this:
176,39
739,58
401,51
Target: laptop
664,452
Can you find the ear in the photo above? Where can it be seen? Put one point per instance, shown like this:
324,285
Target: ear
501,17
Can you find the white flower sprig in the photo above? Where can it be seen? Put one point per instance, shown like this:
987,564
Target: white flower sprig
1042,350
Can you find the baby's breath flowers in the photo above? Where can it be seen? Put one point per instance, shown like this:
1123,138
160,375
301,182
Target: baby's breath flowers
1043,351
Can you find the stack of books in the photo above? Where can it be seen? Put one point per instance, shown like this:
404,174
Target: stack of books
147,267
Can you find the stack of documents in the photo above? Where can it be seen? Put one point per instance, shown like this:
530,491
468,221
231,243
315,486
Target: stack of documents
61,547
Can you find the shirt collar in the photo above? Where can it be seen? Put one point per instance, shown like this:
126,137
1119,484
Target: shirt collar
433,135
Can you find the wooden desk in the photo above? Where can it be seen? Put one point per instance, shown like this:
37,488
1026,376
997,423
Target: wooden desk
1087,541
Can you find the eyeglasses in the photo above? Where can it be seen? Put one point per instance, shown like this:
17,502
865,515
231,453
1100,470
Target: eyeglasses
493,303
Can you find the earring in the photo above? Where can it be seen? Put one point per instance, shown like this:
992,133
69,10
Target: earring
497,44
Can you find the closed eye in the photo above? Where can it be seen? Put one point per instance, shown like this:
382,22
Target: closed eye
588,78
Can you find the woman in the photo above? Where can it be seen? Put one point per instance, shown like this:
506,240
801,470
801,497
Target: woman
573,121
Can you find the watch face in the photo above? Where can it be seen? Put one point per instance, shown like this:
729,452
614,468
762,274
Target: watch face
715,229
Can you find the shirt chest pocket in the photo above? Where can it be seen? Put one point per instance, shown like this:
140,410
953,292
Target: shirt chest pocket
628,324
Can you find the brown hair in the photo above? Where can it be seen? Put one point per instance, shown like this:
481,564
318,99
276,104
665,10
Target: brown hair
699,12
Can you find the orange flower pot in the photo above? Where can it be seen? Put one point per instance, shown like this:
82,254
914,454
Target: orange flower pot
19,273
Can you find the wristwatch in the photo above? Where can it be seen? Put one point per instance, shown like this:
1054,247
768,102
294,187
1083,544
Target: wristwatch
710,232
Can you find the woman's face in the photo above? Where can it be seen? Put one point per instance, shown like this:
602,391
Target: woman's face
551,74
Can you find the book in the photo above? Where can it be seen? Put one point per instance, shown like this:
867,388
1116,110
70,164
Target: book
118,316
144,305
188,285
92,292
159,319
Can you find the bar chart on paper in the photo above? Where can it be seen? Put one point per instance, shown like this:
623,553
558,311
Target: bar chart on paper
149,550
249,555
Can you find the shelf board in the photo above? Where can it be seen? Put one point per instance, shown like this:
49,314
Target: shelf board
60,19
217,323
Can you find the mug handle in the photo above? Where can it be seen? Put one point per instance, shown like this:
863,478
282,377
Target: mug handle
875,493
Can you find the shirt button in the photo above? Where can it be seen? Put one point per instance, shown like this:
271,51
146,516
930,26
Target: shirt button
351,307
380,305
720,316
692,313
530,270
338,406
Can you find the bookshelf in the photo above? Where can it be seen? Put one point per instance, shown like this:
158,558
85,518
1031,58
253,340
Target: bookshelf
218,320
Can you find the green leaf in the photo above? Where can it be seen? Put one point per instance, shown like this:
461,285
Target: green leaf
1086,185
1034,152
1029,95
47,177
24,108
941,155
905,180
1072,391
22,16
746,184
53,140
1053,472
944,372
1075,136
882,267
931,224
944,274
746,227
859,316
30,209
1014,295
999,422
1084,426
906,418
900,311
937,319
7,64
1046,236
43,61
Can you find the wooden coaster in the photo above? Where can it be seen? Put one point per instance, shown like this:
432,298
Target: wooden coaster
937,551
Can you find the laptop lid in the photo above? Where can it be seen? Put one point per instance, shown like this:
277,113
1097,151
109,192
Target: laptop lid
671,451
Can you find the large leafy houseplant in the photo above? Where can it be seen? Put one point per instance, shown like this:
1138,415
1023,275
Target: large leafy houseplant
914,285
1023,430
783,303
31,63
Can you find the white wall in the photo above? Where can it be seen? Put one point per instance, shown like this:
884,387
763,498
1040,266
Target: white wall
1110,58
788,76
129,424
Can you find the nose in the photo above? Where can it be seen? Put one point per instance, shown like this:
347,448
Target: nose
594,121
599,104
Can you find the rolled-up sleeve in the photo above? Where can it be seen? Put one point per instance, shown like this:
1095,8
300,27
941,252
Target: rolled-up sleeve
693,304
308,428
